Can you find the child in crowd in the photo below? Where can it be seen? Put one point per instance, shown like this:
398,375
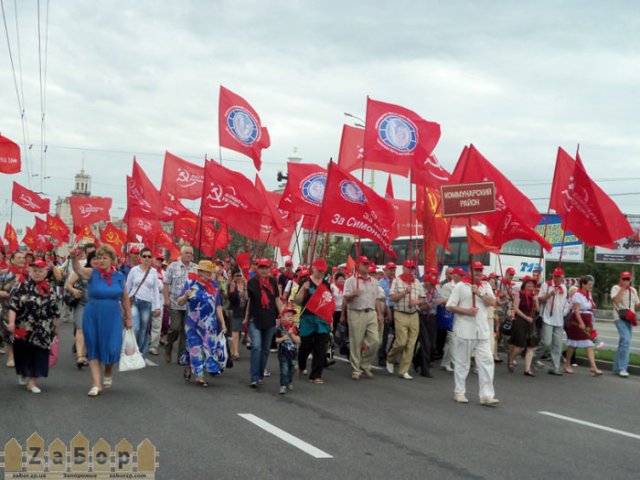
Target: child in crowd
287,340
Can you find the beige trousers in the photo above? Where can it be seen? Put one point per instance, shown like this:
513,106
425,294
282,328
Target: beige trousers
407,329
363,339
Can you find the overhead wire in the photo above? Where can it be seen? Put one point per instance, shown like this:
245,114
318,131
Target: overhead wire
41,103
21,109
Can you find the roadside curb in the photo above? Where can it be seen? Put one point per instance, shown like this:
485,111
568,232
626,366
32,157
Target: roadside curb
604,365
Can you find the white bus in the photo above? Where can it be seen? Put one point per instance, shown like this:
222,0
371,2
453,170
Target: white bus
523,256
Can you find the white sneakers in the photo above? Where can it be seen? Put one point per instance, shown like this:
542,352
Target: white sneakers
22,380
34,389
460,398
406,376
489,401
623,373
390,368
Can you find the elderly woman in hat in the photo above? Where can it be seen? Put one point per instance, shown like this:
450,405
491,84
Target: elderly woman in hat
204,309
33,321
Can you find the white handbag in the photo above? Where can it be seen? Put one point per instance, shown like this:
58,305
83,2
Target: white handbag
130,356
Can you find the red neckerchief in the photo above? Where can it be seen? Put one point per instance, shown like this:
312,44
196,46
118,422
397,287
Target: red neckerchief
289,275
555,290
21,275
468,280
587,295
364,279
3,264
209,287
407,279
106,274
265,286
339,287
43,287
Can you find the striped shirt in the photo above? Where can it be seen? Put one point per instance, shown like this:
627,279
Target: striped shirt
176,276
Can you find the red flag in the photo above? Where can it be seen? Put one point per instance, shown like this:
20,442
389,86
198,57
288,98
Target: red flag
184,227
84,232
143,198
9,156
586,210
89,210
164,239
389,190
479,243
111,235
231,198
145,227
57,228
222,238
510,227
351,148
396,138
30,239
352,207
172,209
244,260
322,303
473,167
180,178
436,228
350,265
11,237
406,219
305,188
239,127
430,174
29,200
205,238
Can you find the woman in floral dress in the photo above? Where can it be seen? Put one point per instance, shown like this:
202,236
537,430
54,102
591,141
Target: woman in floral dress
14,274
33,321
204,309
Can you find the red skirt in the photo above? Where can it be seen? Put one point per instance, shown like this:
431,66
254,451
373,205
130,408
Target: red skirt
574,332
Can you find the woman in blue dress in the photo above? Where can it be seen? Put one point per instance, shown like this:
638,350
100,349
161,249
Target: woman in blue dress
102,319
204,310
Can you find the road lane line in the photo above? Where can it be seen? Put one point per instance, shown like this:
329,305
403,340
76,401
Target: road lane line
287,437
592,425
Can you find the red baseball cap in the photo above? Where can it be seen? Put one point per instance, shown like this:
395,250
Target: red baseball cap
493,275
288,309
432,271
625,275
303,273
431,279
227,260
288,263
134,250
390,266
263,262
159,254
409,264
459,271
527,278
40,263
320,264
362,259
558,272
372,268
510,271
477,265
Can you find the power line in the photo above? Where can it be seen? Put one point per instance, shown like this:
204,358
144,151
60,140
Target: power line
15,83
41,104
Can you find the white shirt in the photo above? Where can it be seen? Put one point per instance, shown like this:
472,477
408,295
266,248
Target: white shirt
149,291
626,302
557,302
466,326
337,296
447,288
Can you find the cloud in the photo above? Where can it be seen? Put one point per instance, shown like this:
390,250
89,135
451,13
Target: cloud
516,80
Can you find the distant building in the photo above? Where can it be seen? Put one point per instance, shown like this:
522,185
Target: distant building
82,186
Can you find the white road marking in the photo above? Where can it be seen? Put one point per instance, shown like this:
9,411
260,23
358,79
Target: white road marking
592,425
346,360
287,437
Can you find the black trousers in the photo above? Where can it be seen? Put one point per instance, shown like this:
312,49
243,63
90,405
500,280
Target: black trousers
315,344
387,329
422,356
441,339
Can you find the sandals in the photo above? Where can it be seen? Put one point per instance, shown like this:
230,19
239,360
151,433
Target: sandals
596,373
568,370
202,383
94,392
107,382
187,374
529,373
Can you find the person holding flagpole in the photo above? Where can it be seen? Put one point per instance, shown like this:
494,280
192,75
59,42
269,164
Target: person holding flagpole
313,330
361,295
470,301
407,293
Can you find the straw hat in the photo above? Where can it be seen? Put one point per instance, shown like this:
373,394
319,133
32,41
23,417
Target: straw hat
206,266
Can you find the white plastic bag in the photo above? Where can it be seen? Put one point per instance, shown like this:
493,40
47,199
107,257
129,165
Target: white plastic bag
130,356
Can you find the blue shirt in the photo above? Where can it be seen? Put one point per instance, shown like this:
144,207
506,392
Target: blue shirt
385,283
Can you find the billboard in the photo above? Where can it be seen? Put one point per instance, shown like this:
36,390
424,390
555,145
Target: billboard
573,249
627,249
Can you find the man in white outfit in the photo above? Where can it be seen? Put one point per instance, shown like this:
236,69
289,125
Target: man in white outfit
470,301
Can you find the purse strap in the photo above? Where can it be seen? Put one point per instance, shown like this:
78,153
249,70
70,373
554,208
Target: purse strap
140,284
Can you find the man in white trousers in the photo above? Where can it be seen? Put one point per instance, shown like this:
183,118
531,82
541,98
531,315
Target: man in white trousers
470,302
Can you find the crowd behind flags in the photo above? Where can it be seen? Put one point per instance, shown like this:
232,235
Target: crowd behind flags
330,199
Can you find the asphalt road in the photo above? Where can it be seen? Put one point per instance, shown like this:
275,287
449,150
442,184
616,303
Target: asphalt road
608,333
381,428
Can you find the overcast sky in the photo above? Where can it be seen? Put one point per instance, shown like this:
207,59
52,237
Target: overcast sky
517,79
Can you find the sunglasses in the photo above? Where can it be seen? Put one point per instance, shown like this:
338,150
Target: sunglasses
626,279
146,256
